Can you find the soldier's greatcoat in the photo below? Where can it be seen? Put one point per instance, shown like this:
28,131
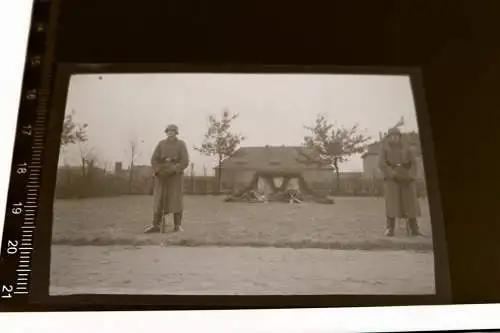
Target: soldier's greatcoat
167,191
399,167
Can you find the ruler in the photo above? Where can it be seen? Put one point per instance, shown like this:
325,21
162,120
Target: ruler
16,252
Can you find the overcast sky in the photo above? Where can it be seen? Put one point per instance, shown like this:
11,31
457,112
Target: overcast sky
273,109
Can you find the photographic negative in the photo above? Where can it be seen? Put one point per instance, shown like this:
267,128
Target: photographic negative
242,183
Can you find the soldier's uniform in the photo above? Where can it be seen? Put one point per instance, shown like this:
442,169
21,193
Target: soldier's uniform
398,165
168,162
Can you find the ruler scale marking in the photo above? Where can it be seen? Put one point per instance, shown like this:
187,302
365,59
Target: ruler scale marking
27,173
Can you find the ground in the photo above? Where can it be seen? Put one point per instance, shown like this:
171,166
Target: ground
350,223
235,248
241,270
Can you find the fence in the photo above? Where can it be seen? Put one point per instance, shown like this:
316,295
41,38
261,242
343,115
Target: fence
71,184
200,185
101,184
366,187
95,183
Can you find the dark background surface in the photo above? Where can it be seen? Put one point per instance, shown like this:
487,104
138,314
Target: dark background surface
455,43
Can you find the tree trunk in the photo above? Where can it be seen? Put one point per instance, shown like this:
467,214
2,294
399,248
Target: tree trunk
130,178
192,178
219,176
84,173
337,175
81,187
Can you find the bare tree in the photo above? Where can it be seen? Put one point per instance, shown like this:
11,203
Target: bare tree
219,141
108,167
191,169
88,166
192,176
333,144
133,153
88,158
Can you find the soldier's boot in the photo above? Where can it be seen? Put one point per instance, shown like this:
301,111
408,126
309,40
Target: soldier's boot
413,229
177,222
391,224
155,226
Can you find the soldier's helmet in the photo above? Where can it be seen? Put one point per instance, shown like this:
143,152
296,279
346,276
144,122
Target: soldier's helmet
172,128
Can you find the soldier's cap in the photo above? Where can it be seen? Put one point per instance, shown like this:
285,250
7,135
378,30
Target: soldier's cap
394,130
172,128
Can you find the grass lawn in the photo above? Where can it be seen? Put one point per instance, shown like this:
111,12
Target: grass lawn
351,223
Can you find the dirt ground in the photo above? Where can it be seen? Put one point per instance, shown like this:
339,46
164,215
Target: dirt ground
355,222
239,270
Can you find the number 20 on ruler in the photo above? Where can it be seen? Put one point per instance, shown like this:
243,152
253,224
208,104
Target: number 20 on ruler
12,249
7,290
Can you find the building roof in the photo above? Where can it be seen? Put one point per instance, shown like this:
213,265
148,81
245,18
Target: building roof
411,138
271,158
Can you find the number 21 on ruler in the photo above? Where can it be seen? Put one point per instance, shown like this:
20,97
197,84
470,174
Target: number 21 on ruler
7,291
26,130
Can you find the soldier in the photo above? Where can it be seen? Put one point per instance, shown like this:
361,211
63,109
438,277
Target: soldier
398,165
168,162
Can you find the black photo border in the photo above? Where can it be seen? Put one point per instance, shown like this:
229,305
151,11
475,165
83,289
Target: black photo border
41,266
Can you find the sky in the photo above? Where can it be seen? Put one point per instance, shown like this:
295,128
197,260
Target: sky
273,109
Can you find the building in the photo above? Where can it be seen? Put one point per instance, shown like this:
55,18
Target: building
370,157
239,169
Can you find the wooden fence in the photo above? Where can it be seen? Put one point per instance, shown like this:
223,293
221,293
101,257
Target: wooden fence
102,184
